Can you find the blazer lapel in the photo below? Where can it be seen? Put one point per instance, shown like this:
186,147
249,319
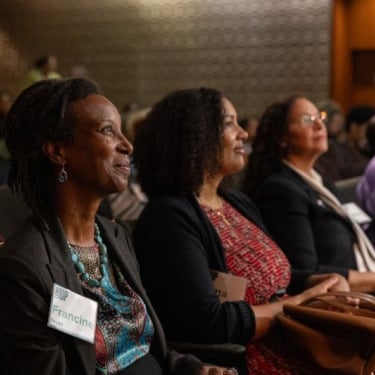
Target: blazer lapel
121,251
61,269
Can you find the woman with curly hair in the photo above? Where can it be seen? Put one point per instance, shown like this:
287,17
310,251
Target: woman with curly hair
73,302
189,143
303,215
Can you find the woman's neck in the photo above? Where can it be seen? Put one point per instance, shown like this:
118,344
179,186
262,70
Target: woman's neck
306,165
208,194
77,218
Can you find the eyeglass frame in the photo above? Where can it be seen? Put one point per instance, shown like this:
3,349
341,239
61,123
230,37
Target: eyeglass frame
307,120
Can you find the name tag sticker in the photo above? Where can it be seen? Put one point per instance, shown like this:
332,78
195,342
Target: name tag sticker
72,313
356,213
229,288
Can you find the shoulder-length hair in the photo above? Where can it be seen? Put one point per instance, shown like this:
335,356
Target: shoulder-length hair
180,142
268,146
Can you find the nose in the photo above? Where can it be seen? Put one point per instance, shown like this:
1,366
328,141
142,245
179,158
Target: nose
242,134
319,123
124,146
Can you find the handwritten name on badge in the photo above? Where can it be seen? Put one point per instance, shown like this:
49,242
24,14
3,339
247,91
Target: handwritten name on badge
229,288
72,313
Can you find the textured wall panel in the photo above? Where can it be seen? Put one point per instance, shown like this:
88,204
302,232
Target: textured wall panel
253,50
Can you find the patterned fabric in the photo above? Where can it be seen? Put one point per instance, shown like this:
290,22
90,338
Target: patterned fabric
251,254
124,329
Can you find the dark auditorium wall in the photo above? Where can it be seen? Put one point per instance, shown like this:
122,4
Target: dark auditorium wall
253,50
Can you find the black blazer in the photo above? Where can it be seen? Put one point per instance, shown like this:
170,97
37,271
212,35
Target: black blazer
30,263
312,235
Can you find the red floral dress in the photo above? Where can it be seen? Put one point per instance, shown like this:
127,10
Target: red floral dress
251,254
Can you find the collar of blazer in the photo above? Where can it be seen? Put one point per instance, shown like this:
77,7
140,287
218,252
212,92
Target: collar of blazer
62,267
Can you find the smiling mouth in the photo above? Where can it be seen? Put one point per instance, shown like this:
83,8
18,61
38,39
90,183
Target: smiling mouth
125,168
240,150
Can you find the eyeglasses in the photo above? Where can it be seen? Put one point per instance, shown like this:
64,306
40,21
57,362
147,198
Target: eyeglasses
309,120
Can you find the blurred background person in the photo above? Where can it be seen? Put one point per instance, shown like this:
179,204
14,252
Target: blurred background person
249,124
366,186
330,165
126,110
355,150
79,71
127,205
45,67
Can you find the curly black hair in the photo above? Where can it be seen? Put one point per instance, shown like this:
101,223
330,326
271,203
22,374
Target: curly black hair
268,150
180,142
41,113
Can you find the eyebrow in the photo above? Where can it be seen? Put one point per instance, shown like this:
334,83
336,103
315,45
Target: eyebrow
230,116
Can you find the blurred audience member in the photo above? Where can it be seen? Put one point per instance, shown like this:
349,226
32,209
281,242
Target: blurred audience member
45,67
79,71
335,119
127,109
331,165
127,205
347,158
355,148
249,124
366,186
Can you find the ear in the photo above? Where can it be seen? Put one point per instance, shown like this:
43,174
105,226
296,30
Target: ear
54,152
284,142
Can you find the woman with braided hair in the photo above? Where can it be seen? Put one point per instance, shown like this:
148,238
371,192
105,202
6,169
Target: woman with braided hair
73,302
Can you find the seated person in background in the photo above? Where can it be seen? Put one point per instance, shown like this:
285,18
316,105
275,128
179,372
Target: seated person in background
68,153
303,216
192,225
355,152
366,186
45,67
331,165
249,124
127,205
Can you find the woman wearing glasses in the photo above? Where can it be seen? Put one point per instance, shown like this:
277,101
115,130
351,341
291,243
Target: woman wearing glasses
302,214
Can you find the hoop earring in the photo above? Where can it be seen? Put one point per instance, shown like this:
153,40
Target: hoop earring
63,175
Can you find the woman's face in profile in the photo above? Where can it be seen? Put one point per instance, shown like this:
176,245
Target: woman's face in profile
307,134
98,158
234,156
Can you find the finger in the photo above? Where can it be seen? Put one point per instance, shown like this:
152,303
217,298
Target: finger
329,282
230,371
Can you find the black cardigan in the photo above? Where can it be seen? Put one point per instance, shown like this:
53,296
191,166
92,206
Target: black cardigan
177,246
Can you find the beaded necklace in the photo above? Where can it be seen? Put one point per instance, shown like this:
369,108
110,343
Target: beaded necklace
79,266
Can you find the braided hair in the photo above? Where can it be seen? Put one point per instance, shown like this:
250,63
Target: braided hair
41,113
